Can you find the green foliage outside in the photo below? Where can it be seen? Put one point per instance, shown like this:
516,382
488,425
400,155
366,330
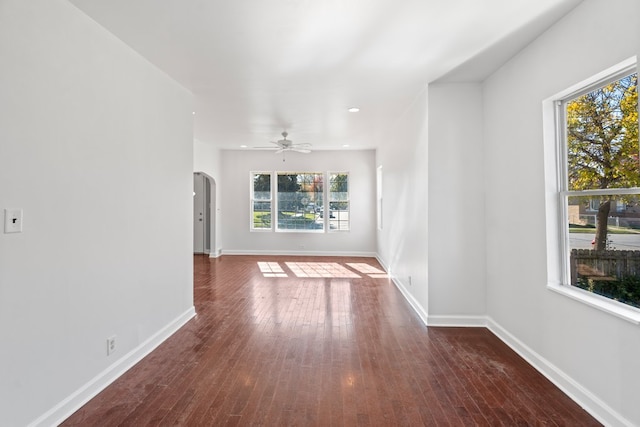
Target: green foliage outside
262,182
625,290
261,219
339,191
602,143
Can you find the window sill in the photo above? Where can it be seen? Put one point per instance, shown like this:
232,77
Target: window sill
629,314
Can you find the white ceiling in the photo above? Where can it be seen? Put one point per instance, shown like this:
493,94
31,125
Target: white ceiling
258,67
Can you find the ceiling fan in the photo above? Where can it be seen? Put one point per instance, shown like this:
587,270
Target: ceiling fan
285,144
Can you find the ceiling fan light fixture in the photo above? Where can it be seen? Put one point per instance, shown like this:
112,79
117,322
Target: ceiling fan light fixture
285,144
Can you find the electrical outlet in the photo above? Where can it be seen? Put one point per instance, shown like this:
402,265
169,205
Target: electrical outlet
13,220
111,345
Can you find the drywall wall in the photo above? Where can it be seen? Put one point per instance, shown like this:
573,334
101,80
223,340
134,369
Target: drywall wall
592,354
402,241
235,206
96,148
456,200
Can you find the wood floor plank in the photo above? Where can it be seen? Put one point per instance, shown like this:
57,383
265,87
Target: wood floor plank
337,346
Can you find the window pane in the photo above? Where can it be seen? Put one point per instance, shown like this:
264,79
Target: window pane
339,216
623,221
339,187
339,201
261,214
613,272
300,201
262,186
261,201
602,137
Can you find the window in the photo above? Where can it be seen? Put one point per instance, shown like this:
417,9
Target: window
379,196
599,187
339,201
261,201
300,203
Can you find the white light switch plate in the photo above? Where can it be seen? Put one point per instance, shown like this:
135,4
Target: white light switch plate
13,220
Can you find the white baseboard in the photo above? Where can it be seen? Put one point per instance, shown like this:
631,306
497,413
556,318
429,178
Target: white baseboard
76,400
297,253
215,254
457,321
583,397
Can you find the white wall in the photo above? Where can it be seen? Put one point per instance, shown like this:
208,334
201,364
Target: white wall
592,354
456,202
96,147
402,242
235,206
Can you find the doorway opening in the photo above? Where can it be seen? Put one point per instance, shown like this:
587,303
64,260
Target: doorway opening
204,197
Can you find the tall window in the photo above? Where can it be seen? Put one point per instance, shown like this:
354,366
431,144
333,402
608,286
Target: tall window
599,194
379,196
260,201
300,203
339,201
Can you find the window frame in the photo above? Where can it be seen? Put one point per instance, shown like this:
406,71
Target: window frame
252,200
558,193
327,213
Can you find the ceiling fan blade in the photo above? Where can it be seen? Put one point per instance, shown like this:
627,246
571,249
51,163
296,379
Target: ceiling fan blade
301,150
280,150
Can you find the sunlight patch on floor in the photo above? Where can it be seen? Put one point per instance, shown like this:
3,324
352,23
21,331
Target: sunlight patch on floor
321,269
370,270
271,269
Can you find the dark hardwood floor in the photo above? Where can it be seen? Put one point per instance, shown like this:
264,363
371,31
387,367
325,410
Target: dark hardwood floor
337,346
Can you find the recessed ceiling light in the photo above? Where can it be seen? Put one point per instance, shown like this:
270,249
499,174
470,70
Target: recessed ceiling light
243,146
345,146
193,112
354,109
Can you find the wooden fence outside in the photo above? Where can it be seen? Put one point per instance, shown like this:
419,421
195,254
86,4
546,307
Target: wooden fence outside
604,265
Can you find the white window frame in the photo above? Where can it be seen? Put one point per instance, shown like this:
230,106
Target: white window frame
327,211
557,193
379,209
252,226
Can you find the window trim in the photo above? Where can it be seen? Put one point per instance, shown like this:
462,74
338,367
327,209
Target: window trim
557,193
252,227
